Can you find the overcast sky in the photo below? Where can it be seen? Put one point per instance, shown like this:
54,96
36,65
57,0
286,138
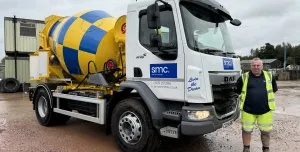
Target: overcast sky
262,21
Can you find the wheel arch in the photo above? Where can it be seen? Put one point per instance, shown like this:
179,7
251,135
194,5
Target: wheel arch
48,88
152,103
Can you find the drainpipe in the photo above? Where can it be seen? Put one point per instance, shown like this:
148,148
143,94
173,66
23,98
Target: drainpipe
15,44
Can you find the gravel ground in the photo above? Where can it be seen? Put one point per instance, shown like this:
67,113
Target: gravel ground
20,131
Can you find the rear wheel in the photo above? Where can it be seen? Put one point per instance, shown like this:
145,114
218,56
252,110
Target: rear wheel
132,127
44,112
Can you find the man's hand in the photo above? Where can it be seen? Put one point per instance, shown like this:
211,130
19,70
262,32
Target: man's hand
274,84
238,86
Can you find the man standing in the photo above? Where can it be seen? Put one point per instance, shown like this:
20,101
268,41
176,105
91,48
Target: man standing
256,89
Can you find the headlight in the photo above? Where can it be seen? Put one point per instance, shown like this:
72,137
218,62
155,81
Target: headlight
197,115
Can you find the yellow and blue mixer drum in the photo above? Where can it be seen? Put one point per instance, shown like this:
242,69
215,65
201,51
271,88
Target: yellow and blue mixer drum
85,36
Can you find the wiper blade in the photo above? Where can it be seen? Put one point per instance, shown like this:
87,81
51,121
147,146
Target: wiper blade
228,53
211,50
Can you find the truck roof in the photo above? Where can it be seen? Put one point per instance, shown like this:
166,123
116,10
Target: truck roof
139,3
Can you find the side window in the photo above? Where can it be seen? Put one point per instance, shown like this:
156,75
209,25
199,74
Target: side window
27,29
165,35
167,32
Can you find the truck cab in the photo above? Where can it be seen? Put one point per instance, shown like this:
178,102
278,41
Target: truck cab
182,51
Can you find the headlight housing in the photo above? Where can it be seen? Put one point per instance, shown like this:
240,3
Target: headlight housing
197,115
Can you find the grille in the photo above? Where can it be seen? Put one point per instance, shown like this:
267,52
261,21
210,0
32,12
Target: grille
224,98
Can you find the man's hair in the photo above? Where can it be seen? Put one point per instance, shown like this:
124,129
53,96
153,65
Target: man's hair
256,59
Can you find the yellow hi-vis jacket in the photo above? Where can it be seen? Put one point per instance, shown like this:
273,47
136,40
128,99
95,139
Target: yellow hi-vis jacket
269,87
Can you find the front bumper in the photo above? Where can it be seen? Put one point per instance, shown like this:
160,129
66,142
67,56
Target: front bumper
210,124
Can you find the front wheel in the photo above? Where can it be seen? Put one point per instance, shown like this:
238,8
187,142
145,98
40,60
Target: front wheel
132,127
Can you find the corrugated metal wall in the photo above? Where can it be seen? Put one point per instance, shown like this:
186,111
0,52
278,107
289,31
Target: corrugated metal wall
25,44
2,72
23,71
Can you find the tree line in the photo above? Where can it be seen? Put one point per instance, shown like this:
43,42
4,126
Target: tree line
269,51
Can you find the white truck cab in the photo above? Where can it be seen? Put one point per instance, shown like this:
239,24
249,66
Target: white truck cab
190,64
182,51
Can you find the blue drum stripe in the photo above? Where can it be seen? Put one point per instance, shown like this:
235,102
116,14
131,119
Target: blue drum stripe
94,16
91,39
53,29
71,60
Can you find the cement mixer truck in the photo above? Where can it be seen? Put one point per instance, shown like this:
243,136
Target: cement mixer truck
165,69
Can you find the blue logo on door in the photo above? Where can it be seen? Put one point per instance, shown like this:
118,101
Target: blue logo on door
167,70
227,64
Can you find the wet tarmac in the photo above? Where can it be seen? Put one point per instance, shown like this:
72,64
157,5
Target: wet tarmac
20,131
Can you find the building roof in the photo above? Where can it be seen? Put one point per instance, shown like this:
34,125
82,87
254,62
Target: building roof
25,20
264,61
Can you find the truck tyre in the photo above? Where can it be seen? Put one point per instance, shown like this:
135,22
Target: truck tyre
44,112
132,127
1,86
10,85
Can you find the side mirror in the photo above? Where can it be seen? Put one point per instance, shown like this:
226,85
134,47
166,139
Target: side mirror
155,40
153,16
236,22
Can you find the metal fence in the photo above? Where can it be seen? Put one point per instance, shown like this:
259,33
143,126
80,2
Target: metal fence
289,74
294,74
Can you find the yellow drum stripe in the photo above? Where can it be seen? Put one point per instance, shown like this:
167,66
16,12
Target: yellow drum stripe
106,24
107,49
79,77
83,59
75,33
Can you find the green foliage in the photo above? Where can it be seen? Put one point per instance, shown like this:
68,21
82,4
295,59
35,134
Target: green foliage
269,51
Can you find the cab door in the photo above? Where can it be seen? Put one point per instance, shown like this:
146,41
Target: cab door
162,72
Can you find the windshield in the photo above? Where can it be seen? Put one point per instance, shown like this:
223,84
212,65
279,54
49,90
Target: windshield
202,32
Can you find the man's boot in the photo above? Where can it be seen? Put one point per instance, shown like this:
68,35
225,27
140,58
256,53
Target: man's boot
246,149
266,149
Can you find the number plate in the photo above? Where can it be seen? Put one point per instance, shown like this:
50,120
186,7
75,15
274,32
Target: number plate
226,124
